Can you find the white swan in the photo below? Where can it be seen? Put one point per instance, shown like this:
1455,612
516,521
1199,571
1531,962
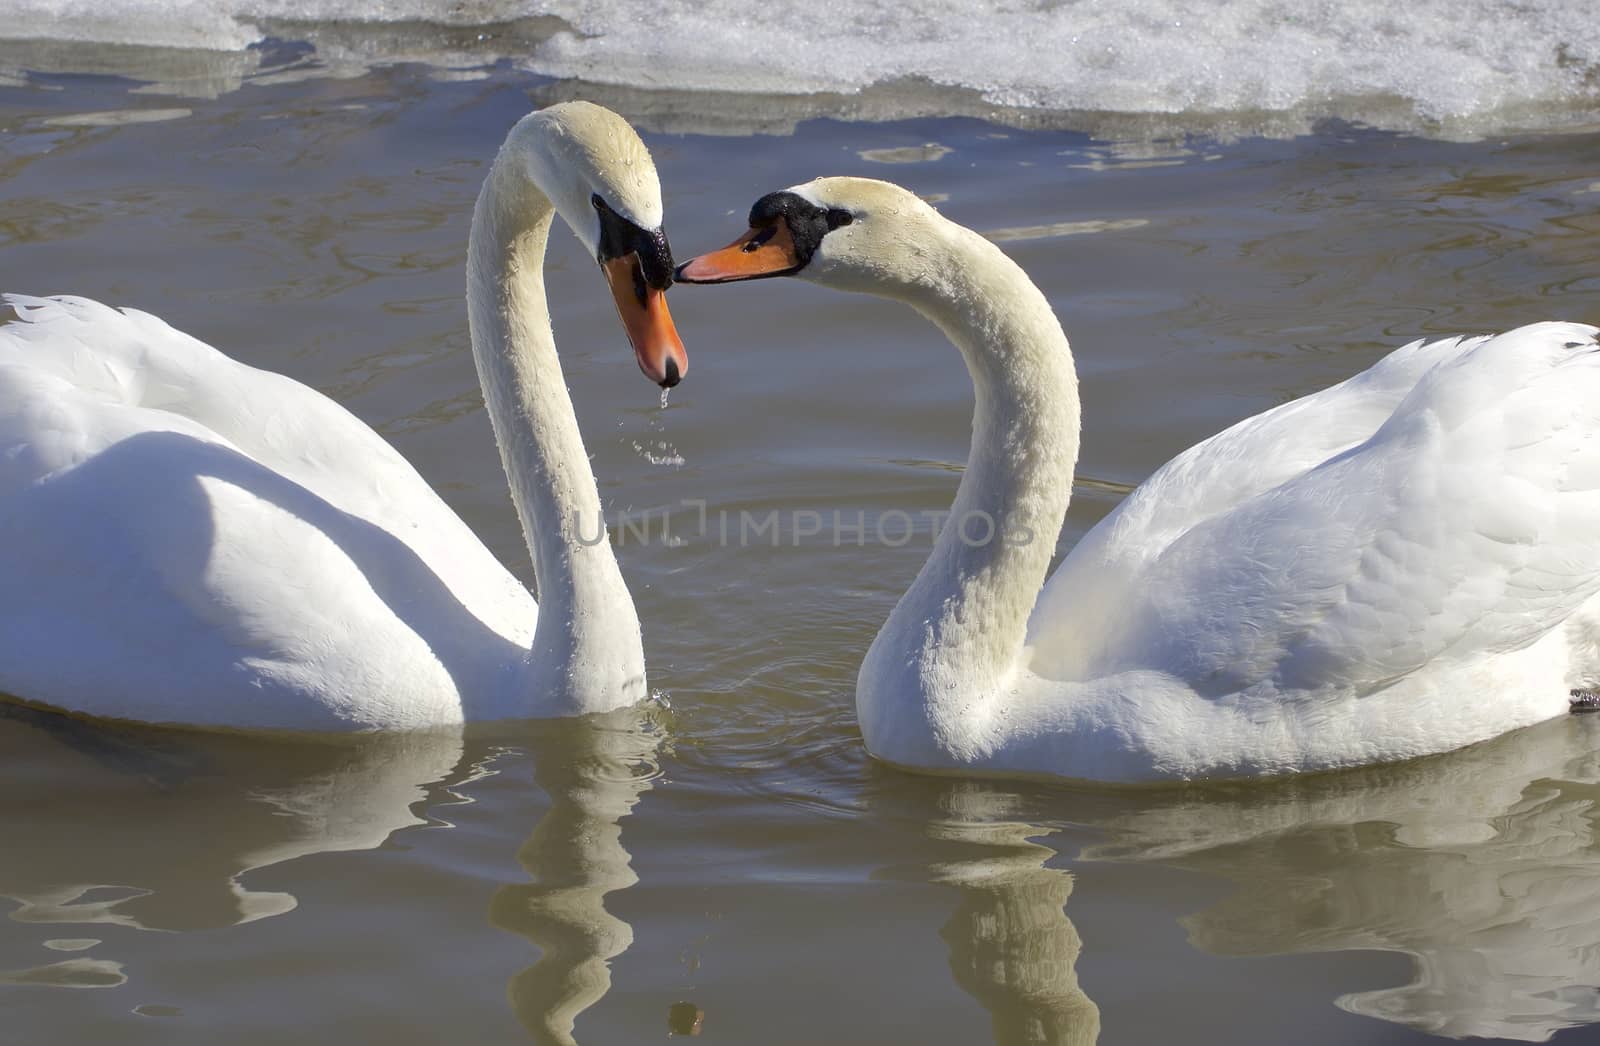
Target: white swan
184,539
1402,564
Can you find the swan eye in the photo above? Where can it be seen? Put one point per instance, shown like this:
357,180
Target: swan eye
837,217
754,243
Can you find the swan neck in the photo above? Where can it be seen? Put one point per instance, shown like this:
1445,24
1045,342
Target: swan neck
965,617
585,612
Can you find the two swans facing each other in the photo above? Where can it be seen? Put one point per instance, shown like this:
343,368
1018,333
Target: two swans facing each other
1402,564
188,540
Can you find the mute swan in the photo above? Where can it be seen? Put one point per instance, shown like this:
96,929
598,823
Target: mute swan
187,540
1402,564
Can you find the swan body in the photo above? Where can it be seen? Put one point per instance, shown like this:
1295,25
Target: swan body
188,540
1405,563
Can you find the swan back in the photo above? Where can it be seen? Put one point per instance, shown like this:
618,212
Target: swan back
1299,552
176,521
118,372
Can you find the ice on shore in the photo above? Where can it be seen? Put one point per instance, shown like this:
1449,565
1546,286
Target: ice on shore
1527,63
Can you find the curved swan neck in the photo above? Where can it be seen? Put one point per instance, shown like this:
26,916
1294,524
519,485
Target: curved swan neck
964,620
587,627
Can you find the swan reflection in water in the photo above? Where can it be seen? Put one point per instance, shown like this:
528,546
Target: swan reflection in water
156,830
79,846
1012,946
1483,866
153,830
593,769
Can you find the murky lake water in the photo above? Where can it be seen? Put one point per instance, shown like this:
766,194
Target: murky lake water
737,850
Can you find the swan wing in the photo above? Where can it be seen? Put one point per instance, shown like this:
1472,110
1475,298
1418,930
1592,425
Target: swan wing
123,359
172,520
1067,629
1464,521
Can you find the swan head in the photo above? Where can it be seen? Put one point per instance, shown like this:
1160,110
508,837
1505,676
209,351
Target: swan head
599,176
854,234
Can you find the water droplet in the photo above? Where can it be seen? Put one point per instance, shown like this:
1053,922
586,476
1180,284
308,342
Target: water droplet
664,393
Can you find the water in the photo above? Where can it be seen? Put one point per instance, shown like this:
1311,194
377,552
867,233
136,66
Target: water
730,846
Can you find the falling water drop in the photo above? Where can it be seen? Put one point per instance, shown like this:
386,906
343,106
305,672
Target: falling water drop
664,398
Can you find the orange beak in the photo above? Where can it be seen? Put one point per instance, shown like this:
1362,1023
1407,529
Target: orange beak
643,309
767,251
